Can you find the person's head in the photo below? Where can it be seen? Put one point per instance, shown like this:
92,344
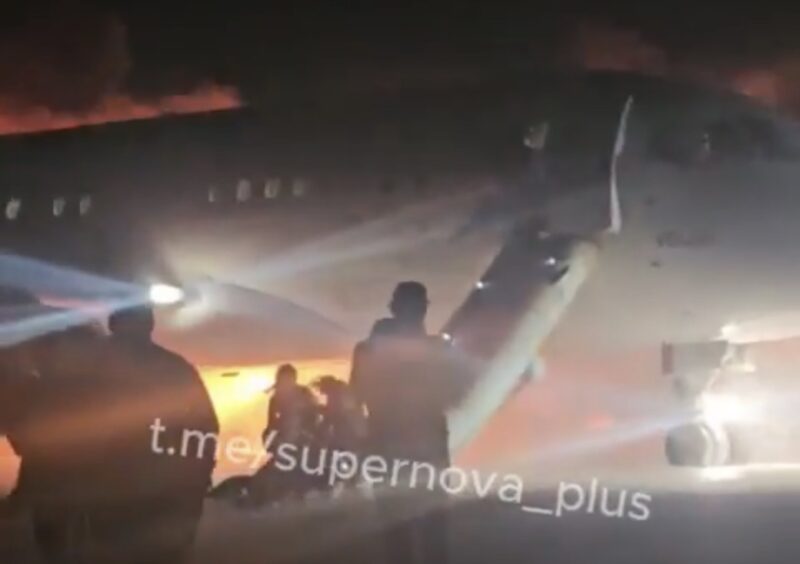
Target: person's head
134,323
409,302
285,377
329,386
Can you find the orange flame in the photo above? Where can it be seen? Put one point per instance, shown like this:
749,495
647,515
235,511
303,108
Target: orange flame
761,84
119,107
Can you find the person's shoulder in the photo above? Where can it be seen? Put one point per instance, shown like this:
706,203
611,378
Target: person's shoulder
174,359
383,327
361,347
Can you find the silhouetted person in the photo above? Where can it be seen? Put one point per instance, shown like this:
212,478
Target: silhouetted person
398,375
284,405
292,417
342,423
165,453
361,357
293,411
69,428
52,380
16,366
17,381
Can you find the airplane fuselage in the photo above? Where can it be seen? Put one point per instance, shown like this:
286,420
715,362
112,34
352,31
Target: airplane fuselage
330,214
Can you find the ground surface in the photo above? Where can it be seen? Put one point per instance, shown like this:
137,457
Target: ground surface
684,527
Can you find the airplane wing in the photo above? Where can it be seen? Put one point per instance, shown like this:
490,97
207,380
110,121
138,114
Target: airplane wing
235,325
496,334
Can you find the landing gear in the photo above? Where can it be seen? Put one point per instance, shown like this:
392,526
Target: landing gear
711,434
698,444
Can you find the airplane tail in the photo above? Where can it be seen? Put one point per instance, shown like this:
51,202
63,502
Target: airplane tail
591,204
615,208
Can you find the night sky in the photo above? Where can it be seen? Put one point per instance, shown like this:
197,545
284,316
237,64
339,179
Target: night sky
70,56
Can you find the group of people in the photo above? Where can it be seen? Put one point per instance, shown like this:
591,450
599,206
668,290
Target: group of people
394,406
298,417
78,404
295,415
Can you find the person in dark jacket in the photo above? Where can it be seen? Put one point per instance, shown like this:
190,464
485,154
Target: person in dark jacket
399,375
163,458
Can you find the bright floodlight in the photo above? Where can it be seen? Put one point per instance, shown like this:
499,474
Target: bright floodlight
258,384
728,408
729,331
748,367
480,285
447,337
721,473
164,294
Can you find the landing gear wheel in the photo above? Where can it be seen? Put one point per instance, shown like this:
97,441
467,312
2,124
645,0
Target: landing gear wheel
698,444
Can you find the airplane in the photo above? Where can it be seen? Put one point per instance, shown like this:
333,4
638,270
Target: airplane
604,213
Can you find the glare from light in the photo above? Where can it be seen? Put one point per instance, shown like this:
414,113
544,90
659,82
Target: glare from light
480,285
164,294
721,473
729,331
65,294
748,367
379,237
257,384
195,311
722,408
447,337
550,261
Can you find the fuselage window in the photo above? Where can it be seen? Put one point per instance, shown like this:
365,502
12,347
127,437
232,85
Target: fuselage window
13,207
85,204
59,205
272,188
243,190
299,188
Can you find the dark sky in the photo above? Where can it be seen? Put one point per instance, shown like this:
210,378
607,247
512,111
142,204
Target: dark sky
235,43
68,54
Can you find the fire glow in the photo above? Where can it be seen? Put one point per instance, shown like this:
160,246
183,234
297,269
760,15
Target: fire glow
118,107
